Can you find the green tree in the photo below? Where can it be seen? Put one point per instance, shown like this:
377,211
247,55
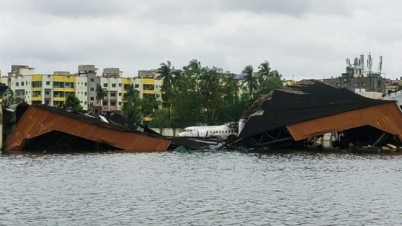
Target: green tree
249,79
100,93
263,71
11,99
159,119
132,104
232,106
165,73
203,95
209,88
148,105
269,83
73,102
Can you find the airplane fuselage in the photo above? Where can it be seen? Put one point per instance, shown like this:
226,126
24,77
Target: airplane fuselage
221,132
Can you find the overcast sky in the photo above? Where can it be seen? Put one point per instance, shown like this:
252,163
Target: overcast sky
300,38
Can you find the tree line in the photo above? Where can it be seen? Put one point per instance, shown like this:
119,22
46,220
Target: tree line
197,95
192,95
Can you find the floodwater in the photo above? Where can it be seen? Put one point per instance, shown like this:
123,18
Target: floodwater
201,188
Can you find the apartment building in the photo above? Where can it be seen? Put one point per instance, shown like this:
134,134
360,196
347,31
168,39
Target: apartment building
147,83
52,89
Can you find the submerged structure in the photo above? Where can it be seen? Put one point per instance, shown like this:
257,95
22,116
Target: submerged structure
294,115
41,127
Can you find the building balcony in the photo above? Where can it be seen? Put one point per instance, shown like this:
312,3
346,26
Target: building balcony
148,92
37,98
148,81
59,98
36,78
69,89
60,89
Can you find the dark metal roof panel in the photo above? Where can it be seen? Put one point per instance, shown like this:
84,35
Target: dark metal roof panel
307,100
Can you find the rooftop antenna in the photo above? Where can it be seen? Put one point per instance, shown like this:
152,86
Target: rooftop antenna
361,62
380,65
348,62
369,64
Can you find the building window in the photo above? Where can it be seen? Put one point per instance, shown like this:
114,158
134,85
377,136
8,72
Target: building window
148,87
105,85
113,85
104,103
47,92
364,84
85,93
36,93
355,85
92,98
119,94
85,84
112,103
91,80
36,84
58,84
16,84
112,94
136,86
92,89
119,103
22,83
47,83
119,84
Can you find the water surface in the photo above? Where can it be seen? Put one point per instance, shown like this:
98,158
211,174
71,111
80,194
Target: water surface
202,188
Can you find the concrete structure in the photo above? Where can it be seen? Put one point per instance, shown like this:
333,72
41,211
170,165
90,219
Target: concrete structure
52,89
148,84
353,79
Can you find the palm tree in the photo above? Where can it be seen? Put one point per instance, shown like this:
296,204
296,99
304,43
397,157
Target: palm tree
131,104
249,79
131,92
100,93
264,70
165,73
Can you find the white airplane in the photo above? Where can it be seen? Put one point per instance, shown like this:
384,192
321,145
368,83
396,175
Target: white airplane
222,132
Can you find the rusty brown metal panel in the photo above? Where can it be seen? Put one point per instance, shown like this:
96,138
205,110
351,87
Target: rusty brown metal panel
36,122
386,117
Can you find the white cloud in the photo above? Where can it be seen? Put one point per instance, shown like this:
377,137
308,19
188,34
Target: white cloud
307,39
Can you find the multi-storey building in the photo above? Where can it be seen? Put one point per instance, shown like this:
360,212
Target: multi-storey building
115,86
148,85
53,89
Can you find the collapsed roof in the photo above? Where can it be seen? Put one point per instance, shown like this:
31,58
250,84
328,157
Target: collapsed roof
41,124
311,107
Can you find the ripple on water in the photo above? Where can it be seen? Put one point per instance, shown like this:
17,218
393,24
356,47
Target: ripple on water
200,189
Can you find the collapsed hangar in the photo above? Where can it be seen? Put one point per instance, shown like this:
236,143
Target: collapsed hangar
41,127
292,115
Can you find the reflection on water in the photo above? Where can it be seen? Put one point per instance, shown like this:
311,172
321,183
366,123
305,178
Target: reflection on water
200,189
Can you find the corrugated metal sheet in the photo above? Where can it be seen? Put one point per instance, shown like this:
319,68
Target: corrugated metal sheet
386,117
36,122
